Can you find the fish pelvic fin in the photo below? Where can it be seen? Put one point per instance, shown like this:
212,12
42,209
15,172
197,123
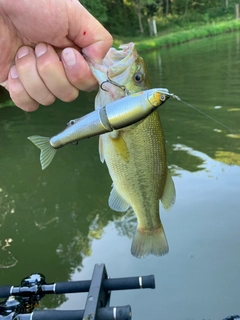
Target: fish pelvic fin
169,193
147,242
117,202
100,148
47,151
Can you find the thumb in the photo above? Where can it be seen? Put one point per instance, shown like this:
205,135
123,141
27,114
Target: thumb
87,32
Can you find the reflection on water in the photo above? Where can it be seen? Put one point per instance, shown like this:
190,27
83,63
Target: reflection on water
8,260
228,157
57,222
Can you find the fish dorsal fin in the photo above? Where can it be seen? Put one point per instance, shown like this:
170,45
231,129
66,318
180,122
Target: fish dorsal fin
169,193
116,201
100,149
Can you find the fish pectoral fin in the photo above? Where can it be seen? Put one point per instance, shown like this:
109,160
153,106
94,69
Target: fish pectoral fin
117,202
100,148
47,151
169,193
120,145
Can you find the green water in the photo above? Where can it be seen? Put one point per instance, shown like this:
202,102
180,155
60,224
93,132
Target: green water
57,221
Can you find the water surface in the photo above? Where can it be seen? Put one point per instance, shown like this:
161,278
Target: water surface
57,221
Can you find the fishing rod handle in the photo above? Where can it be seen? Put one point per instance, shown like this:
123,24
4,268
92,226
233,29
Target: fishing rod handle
109,313
128,283
5,291
144,282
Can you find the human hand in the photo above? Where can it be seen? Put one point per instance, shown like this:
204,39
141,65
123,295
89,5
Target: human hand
41,44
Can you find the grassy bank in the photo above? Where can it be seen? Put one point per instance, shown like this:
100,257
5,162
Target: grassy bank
173,38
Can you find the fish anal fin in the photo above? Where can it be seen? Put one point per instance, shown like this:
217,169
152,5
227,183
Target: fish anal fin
120,145
169,193
147,242
117,202
100,148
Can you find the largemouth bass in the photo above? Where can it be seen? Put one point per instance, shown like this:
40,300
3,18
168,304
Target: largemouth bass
136,155
133,145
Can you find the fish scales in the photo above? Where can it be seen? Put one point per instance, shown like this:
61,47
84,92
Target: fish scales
136,156
139,187
141,179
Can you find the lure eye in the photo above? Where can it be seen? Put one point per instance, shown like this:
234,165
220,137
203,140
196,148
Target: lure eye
70,123
162,97
138,77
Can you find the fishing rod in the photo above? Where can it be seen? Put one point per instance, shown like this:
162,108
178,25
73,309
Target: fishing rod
22,300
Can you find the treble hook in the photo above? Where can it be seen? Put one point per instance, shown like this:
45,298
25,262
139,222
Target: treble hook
101,85
75,143
124,88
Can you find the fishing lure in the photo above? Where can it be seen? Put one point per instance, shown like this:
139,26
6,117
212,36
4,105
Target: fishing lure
114,116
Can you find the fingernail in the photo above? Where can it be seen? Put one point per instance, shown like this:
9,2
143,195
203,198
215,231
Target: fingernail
40,49
22,52
13,72
69,57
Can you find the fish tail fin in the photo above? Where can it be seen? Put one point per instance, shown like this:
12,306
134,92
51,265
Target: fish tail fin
47,151
147,242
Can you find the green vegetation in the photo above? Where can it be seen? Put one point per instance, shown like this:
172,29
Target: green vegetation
177,21
186,35
130,17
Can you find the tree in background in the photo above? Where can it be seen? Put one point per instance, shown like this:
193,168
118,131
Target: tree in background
116,15
121,18
96,8
130,17
200,7
143,8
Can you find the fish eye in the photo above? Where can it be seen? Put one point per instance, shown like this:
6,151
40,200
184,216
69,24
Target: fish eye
138,77
162,97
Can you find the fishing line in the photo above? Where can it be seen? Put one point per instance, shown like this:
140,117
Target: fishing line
205,114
